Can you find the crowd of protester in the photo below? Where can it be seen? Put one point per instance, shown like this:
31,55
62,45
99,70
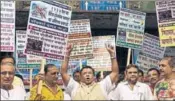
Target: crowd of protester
84,85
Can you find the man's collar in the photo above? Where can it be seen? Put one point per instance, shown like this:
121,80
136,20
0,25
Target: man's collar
83,84
137,83
44,84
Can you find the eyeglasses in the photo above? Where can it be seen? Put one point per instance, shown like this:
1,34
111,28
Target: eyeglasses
7,63
9,73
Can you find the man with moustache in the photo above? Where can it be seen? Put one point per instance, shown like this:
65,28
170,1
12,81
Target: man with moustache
9,91
153,77
9,59
165,89
132,89
50,89
88,89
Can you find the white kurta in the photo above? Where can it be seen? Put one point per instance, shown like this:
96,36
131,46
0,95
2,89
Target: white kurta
105,86
17,93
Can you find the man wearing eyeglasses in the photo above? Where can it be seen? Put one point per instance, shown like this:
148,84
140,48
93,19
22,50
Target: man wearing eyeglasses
8,90
9,59
50,89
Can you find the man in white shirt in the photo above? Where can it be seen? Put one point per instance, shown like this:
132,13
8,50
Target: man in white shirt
88,89
131,89
8,90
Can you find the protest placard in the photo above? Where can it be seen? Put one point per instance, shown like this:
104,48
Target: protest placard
170,51
165,10
101,60
25,73
151,46
81,38
47,29
130,29
145,62
151,53
7,35
21,58
26,60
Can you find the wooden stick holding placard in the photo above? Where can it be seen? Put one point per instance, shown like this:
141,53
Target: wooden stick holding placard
128,61
128,57
31,80
81,65
43,62
102,76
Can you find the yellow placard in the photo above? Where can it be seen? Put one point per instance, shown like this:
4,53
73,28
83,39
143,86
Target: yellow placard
167,36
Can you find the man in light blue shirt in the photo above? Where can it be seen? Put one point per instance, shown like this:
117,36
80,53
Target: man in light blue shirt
132,89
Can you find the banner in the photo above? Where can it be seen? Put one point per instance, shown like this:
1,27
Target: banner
142,5
130,29
165,10
151,53
101,60
47,29
7,35
80,36
102,5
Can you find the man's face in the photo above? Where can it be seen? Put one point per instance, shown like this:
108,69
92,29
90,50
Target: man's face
132,75
77,76
52,75
7,74
87,76
165,69
140,78
153,77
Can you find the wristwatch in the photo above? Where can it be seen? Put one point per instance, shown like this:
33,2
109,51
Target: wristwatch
113,57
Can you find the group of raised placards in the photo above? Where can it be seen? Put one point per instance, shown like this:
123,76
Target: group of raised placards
50,29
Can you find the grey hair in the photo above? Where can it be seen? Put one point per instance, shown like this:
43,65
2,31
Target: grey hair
171,61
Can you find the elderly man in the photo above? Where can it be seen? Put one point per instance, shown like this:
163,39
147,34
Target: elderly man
10,91
132,89
50,89
88,89
165,89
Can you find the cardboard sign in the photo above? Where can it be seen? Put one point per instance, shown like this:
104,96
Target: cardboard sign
47,29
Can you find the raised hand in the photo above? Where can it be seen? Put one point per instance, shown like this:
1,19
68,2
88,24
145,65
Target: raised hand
110,49
69,49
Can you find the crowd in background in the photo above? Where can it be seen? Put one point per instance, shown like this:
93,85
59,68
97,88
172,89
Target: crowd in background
84,85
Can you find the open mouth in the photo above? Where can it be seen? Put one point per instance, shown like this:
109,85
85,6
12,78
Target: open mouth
7,81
